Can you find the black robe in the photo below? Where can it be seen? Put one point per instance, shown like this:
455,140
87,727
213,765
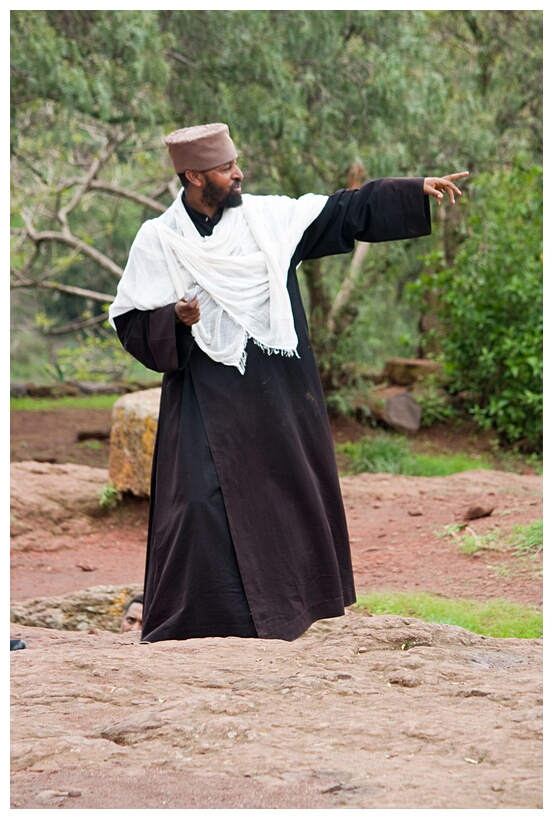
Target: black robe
247,533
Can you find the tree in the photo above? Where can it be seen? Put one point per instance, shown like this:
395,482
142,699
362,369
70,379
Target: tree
308,95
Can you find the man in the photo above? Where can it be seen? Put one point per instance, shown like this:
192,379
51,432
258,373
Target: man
132,617
247,533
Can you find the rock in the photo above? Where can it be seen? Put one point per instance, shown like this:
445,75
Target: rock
475,512
395,406
133,725
133,433
49,499
86,566
406,371
51,794
99,606
402,412
18,389
95,387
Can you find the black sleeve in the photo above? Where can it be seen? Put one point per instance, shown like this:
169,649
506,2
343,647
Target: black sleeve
379,211
155,338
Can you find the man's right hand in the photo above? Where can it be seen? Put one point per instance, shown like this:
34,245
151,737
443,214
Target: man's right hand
188,311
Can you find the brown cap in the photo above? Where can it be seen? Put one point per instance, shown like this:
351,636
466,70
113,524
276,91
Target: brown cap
200,147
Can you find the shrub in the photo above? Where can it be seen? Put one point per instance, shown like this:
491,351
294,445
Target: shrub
490,306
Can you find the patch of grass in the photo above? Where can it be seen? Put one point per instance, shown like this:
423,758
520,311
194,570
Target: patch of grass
497,618
528,540
439,465
470,544
504,570
392,454
451,530
95,445
81,402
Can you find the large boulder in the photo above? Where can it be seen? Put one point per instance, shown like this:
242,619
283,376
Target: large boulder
133,434
53,501
406,371
97,607
361,713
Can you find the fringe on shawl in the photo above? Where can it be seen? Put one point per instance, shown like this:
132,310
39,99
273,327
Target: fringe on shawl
241,366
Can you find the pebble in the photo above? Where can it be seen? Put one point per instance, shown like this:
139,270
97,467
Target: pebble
45,796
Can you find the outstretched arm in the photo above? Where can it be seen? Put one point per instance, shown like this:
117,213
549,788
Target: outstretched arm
381,210
436,185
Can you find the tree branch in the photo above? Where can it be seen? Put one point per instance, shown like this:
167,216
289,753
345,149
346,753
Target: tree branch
67,238
355,176
98,163
125,193
348,285
103,298
181,58
80,324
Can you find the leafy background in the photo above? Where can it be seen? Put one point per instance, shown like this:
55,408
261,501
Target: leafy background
309,96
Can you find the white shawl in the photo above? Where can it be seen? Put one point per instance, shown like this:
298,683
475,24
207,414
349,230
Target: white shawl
240,270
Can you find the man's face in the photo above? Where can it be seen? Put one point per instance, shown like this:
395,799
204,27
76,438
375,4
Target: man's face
132,619
223,186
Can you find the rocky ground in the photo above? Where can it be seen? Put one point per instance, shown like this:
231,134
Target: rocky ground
361,712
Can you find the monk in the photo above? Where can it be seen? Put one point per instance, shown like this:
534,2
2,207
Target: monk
247,533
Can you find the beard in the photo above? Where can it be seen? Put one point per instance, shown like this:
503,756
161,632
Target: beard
216,197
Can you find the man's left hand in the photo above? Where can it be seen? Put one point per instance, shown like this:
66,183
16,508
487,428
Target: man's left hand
436,185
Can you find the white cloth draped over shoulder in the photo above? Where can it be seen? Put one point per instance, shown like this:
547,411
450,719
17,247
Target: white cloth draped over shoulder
240,270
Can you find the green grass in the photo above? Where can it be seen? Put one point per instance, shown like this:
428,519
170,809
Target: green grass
528,540
82,402
391,454
471,544
497,618
525,540
94,445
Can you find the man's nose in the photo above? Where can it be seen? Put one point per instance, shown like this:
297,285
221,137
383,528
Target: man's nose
237,173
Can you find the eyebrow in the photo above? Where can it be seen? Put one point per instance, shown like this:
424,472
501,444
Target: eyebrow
225,165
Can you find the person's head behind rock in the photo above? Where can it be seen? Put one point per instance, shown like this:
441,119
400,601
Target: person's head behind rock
132,618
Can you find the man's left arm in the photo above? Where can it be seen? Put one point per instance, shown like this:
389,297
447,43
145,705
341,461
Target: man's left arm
381,210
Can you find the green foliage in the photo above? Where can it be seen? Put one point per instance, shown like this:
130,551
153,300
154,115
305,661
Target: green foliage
490,306
106,64
528,540
110,497
434,402
497,618
306,93
392,454
97,359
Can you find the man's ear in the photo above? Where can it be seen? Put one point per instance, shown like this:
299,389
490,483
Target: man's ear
195,178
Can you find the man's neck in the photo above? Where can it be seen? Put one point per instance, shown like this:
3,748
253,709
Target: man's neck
203,223
198,205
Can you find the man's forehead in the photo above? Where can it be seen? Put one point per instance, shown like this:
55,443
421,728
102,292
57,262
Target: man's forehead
224,165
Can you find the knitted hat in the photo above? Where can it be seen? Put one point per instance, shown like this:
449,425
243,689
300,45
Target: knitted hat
200,147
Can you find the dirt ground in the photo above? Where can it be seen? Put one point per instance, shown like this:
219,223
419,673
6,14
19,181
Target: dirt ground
361,712
402,528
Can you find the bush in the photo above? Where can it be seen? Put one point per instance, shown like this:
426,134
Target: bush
490,306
